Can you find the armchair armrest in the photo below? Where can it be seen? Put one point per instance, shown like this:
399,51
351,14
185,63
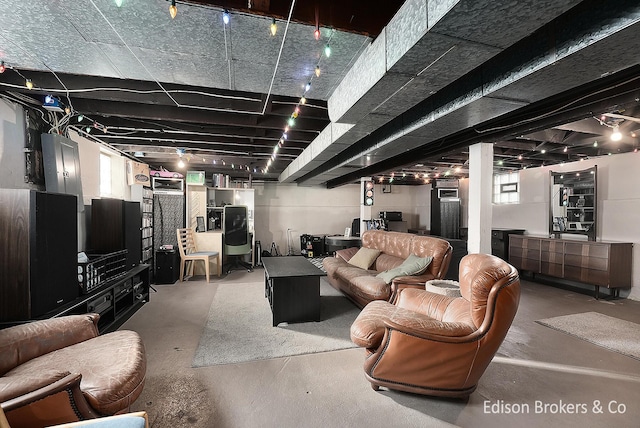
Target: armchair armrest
401,282
427,328
55,402
347,253
132,420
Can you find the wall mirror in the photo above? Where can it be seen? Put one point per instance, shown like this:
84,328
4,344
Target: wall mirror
573,203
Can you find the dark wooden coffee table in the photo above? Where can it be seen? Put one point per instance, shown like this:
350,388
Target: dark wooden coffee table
292,285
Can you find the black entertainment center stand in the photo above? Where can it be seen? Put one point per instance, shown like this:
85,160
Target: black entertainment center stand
115,301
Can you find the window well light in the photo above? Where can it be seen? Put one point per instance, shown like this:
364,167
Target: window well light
225,17
173,10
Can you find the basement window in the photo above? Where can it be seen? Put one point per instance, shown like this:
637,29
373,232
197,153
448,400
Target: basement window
105,174
506,188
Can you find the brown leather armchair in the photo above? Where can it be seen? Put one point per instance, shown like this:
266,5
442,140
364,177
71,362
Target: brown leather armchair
61,370
432,344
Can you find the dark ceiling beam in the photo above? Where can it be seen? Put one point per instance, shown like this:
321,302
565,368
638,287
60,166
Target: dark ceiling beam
345,15
149,93
177,114
185,130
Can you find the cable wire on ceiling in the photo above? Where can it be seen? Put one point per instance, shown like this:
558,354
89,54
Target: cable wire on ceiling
273,78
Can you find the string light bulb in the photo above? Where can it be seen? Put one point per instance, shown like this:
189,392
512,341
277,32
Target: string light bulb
29,84
317,71
225,17
118,3
274,27
316,34
616,135
173,10
2,67
180,163
327,50
307,86
303,100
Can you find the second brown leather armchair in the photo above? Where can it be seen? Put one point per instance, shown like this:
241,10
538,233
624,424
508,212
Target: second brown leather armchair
432,344
61,370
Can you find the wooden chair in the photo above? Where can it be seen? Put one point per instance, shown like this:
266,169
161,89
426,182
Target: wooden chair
189,253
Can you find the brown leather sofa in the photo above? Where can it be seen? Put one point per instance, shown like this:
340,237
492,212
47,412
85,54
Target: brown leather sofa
431,344
362,286
61,370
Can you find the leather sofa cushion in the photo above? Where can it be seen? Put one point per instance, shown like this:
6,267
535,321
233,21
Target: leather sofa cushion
109,384
368,329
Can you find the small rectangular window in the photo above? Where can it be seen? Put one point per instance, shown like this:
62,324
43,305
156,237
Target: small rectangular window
105,174
506,188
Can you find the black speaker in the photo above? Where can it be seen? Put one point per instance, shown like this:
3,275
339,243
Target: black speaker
167,267
367,197
39,247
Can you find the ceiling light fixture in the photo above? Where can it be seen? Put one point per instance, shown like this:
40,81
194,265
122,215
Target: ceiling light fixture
616,135
274,27
225,17
173,10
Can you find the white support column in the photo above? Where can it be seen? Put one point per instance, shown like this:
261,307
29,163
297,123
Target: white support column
480,195
365,211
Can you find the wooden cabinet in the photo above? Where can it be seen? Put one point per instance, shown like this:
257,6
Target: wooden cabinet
602,264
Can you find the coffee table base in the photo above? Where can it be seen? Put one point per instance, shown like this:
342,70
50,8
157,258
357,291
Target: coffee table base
293,298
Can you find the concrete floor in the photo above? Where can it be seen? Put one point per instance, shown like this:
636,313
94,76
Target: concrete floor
535,365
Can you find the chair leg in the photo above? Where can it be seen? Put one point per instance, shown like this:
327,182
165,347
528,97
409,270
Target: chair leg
218,265
206,267
181,270
191,267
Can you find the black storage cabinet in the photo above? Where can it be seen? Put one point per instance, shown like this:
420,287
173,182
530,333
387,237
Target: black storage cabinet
167,267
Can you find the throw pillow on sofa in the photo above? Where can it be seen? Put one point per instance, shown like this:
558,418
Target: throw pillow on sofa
364,257
413,265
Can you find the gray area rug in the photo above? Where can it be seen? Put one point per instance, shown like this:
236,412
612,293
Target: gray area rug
239,329
612,333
